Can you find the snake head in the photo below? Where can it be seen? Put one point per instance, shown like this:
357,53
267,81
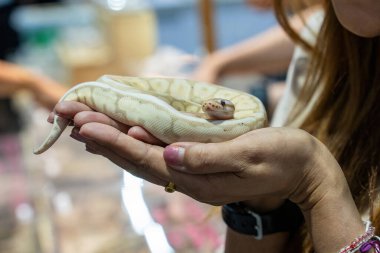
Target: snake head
219,108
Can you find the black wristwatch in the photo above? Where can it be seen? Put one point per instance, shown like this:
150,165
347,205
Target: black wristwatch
240,218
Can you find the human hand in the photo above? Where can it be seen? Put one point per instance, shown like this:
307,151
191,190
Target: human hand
13,78
209,70
278,163
262,167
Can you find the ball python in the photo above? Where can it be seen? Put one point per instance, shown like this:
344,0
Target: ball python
169,108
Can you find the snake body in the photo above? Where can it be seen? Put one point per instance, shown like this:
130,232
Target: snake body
165,107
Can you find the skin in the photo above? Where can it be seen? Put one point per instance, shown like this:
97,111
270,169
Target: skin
267,53
13,78
276,162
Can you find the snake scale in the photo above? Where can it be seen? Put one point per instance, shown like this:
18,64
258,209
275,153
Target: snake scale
166,107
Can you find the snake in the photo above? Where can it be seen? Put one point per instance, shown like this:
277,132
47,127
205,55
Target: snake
171,109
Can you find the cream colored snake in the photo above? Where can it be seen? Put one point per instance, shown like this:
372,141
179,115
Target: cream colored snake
170,109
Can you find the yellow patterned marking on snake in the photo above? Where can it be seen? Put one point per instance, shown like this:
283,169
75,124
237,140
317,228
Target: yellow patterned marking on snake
162,107
180,90
159,85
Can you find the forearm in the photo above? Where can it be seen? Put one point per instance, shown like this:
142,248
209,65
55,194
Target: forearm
334,223
333,219
268,53
331,215
12,78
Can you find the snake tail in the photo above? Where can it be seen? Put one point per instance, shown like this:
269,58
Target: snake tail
59,126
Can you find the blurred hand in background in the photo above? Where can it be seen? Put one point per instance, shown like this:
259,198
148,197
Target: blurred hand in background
13,78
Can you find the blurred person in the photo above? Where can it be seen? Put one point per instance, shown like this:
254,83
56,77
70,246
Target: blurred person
327,167
13,78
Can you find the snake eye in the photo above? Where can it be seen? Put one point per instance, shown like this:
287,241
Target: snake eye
223,102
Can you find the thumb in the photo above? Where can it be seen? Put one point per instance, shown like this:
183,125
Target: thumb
203,158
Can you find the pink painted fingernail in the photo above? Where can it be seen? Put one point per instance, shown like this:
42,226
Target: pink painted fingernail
173,156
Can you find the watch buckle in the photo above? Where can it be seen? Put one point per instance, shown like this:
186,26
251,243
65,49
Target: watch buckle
258,226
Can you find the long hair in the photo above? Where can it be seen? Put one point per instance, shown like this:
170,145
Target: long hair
345,69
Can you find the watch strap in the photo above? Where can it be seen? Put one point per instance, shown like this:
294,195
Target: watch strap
242,219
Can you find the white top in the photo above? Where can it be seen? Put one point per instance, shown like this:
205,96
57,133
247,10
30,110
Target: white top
297,72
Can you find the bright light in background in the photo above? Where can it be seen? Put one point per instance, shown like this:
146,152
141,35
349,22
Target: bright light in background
154,235
24,212
141,220
117,5
134,203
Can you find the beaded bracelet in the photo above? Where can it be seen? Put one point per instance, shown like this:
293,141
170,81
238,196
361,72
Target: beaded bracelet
364,243
373,243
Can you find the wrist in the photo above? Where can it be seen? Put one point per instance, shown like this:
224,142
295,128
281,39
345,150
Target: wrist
321,176
236,242
264,204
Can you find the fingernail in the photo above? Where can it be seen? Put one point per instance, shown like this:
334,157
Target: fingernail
91,150
173,156
75,135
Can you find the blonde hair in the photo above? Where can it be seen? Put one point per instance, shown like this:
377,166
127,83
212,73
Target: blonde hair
346,115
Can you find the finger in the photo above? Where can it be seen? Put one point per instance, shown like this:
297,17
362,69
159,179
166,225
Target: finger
209,188
133,156
146,161
75,135
85,117
205,158
141,154
68,109
98,149
181,180
141,134
215,188
50,118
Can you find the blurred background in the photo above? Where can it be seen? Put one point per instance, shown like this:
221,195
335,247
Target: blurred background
68,200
